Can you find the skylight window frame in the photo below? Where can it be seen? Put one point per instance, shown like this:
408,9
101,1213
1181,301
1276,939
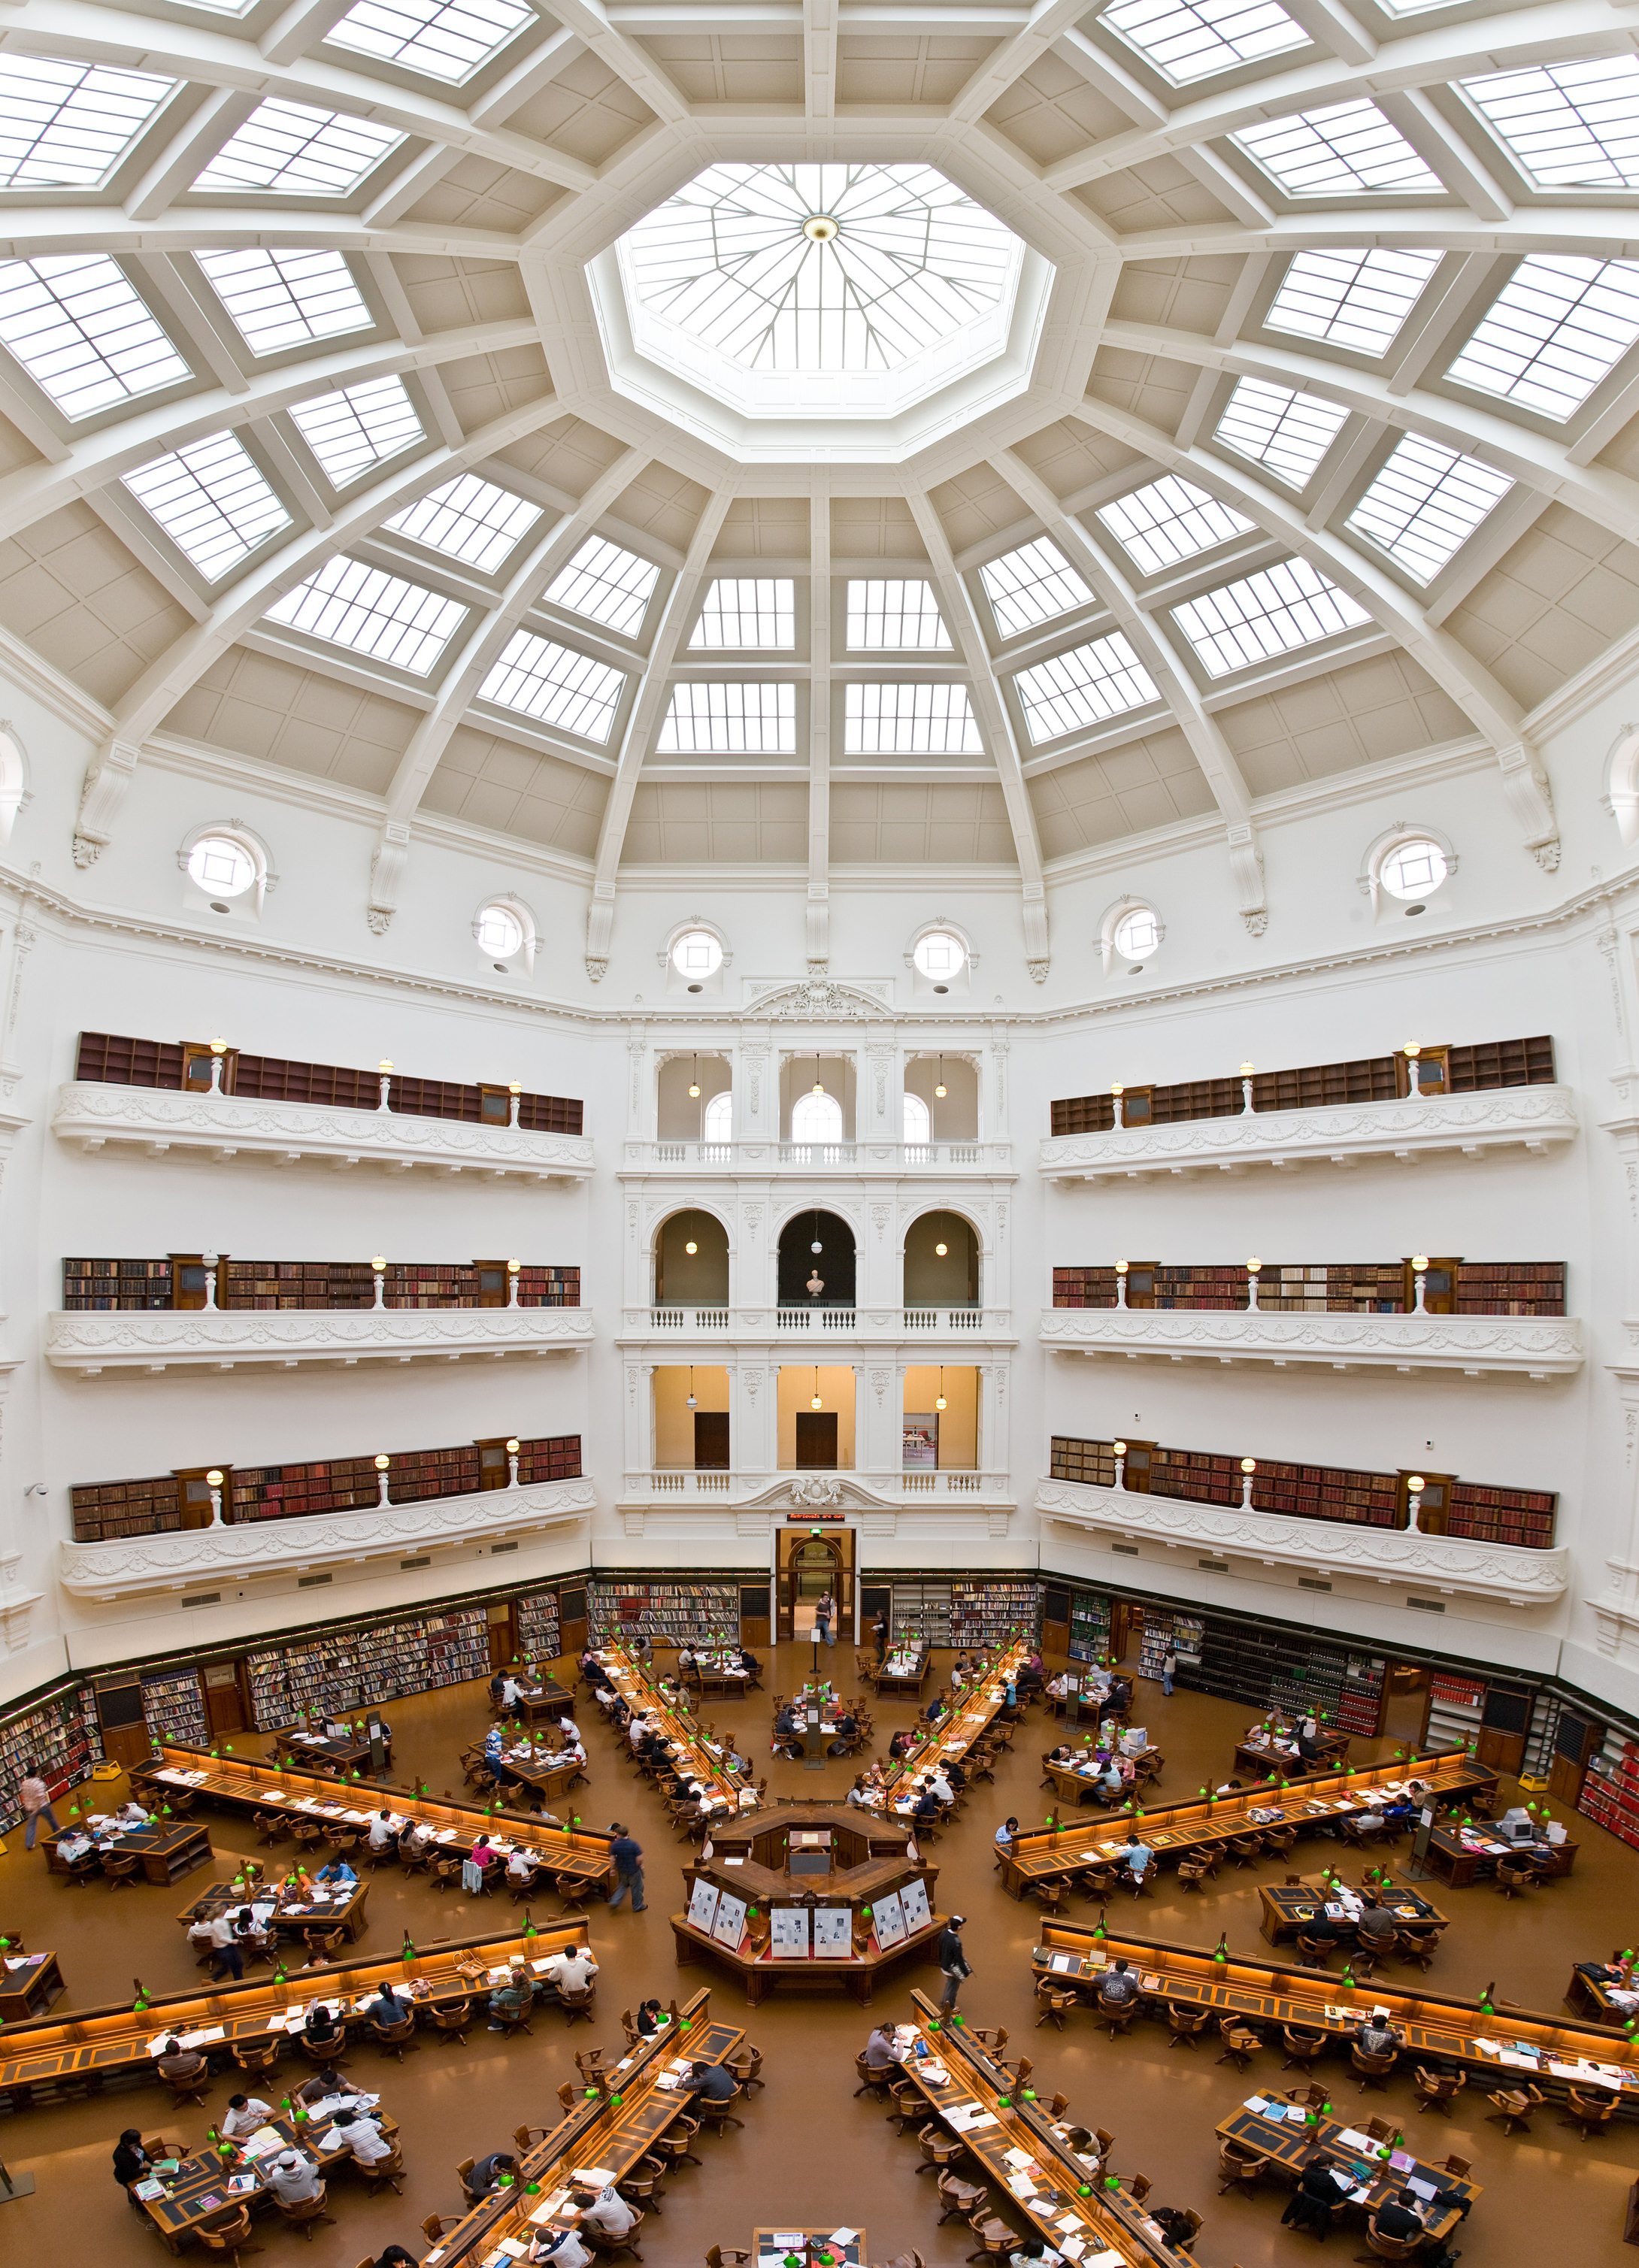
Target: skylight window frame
1211,557
377,330
51,412
1173,92
1398,113
464,90
158,537
1353,642
289,641
1608,395
1465,116
415,551
693,679
1067,629
118,177
923,654
1489,537
1078,739
710,658
1324,465
313,464
368,184
956,678
550,618
1258,329
535,731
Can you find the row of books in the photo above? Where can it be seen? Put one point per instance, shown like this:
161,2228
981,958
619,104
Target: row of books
258,1286
666,1614
1531,1287
174,1706
351,1669
61,1733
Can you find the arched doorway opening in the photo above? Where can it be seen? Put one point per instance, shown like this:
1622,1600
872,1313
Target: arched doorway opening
691,1262
811,1278
811,1562
940,1262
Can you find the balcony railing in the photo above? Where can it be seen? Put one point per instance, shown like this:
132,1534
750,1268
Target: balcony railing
876,1325
1470,1345
217,1339
1446,1565
856,1157
713,1484
1537,1119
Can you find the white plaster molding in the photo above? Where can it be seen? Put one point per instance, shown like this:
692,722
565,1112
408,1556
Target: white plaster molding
822,1001
1615,1611
219,1339
281,1547
761,1496
663,1330
1540,1118
1450,1564
874,1160
225,1125
1534,1346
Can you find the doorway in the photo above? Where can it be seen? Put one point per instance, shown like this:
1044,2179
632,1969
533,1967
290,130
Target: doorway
711,1441
816,1440
503,1634
809,1563
224,1700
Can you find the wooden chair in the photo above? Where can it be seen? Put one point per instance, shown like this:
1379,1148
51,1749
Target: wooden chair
672,2144
119,1874
577,2007
435,2224
1240,2041
1419,1946
719,2115
1120,2021
270,1828
385,2173
960,2199
414,1862
322,1941
871,2083
1514,2106
610,2247
995,2238
306,2212
746,2062
726,2255
259,2062
1515,1875
1054,2001
1137,2186
1457,2166
910,2103
939,2151
1390,2248
514,2021
327,2054
1315,1950
189,2086
642,2185
1591,2108
230,2238
1051,1897
1435,2088
452,2023
1192,1873
397,2040
446,1874
1186,2244
1374,2069
1241,2169
1302,2048
1186,2026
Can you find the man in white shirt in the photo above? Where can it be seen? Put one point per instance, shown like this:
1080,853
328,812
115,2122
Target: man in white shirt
519,1866
637,1731
564,2250
293,2179
569,1731
944,1793
363,2137
608,2214
226,1959
509,1693
572,1971
132,1814
244,2115
383,1833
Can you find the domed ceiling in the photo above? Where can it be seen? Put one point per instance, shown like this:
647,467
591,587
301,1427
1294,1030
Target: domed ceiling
815,437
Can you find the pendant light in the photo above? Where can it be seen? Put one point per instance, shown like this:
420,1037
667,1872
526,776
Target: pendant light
819,1084
692,1403
814,1399
939,1089
939,1399
817,1247
694,1083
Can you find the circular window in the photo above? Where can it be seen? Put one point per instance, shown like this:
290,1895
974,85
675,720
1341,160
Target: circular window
499,933
940,956
222,868
1412,869
1137,934
696,954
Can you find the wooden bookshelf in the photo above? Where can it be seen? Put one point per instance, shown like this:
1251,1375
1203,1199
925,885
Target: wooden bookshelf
1364,1287
255,1286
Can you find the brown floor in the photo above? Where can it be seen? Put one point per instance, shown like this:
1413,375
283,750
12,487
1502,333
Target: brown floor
809,2153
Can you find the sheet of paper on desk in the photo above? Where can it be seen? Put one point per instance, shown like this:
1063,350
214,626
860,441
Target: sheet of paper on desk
843,2236
1420,2188
511,2247
1060,1962
592,2177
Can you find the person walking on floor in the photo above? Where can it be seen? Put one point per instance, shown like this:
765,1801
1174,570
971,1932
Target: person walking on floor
1169,1670
825,1609
952,1962
628,1856
35,1798
879,1632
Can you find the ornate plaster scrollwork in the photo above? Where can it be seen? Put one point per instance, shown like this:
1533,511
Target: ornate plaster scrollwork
816,1490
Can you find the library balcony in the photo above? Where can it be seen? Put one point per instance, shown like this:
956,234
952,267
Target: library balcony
870,1159
91,1346
1415,1103
879,1327
980,1502
1470,1346
1435,1567
215,1099
195,1561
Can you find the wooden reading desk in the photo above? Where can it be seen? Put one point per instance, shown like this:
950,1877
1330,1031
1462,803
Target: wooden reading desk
347,1755
29,1982
1590,1996
198,2194
969,1717
1026,2157
541,1704
543,1774
696,1757
606,2130
1463,1856
578,1855
1505,2047
717,1672
809,2248
1070,1784
903,1672
1259,1758
167,1850
1291,2141
1289,1908
288,1917
1175,1830
91,2047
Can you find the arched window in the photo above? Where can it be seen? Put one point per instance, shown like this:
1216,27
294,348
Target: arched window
816,1118
718,1125
918,1120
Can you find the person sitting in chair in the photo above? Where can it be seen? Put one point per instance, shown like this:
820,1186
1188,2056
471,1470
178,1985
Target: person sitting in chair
511,2003
1118,1987
337,1872
1319,2194
292,2178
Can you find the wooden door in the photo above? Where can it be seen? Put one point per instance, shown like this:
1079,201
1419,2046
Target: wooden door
1141,1284
225,1699
494,1472
1434,1507
1431,1071
189,1277
196,1060
192,1491
495,1105
503,1633
571,1620
816,1440
711,1441
1137,1106
491,1283
1139,1457
1439,1286
1055,1621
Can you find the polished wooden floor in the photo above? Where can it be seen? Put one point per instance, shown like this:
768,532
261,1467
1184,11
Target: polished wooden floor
809,2153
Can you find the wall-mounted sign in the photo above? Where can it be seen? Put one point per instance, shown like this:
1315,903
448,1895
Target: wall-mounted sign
816,1519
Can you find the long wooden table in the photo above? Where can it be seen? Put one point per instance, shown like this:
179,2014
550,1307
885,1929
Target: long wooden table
1262,1757
167,1853
541,1704
694,1755
1458,1863
287,1919
1289,1908
349,1755
579,1856
1070,1784
1291,2142
29,1982
1591,1997
93,2047
198,2196
900,1672
968,1719
1175,1830
1437,2029
611,2131
1066,2204
543,1774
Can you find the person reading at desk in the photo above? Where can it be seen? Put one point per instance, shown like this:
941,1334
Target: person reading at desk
1036,2252
1376,2035
1118,1987
386,2007
651,2017
1375,1925
573,1970
414,1839
489,2173
607,2212
131,2161
178,2062
131,1815
882,2050
927,1804
562,2246
521,1866
244,2115
336,1874
847,1727
383,1833
1319,2194
568,1731
1136,1856
710,2082
293,2177
511,1691
511,2003
319,2026
1404,2219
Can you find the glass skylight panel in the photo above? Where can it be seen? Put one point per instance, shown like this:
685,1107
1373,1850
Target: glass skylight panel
1286,433
1035,584
357,427
730,720
896,616
1187,40
292,150
83,333
285,298
1082,687
1556,326
469,519
371,613
606,585
212,501
66,125
447,39
744,612
910,721
1355,296
1571,126
1426,503
1265,614
548,682
1339,150
1168,520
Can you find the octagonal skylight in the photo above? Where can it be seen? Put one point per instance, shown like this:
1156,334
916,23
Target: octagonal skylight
841,293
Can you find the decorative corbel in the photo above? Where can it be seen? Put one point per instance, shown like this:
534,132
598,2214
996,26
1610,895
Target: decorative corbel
100,799
1246,864
1038,951
1531,800
387,863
